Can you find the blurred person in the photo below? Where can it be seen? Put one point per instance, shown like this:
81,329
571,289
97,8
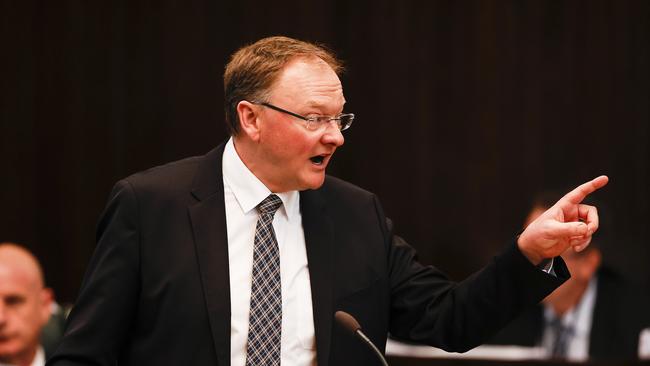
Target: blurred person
596,314
25,307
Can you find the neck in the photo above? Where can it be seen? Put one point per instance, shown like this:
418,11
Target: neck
568,298
249,155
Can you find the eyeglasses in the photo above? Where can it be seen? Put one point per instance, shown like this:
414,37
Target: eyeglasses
315,123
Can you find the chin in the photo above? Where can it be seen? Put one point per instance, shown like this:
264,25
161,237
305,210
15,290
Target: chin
314,182
8,354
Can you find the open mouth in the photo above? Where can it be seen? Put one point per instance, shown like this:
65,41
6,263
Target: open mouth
317,160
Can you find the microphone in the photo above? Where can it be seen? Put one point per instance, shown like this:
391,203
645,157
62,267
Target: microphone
352,325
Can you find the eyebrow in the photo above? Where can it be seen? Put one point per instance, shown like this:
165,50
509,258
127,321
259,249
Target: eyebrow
314,104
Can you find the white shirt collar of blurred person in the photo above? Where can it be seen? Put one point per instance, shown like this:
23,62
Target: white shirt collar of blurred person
39,359
578,321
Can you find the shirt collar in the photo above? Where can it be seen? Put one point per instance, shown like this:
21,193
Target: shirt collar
40,357
248,190
583,312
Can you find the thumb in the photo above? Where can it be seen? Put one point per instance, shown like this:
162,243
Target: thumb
558,229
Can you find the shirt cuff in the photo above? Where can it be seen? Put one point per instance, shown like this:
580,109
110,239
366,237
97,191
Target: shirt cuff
547,266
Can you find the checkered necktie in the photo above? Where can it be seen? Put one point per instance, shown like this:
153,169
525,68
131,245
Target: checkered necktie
562,336
265,321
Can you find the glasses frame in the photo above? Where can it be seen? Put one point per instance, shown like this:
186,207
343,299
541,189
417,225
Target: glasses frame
313,120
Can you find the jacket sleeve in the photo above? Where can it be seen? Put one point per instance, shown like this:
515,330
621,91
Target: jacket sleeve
427,307
103,313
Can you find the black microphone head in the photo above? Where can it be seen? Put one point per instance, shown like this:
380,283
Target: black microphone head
347,321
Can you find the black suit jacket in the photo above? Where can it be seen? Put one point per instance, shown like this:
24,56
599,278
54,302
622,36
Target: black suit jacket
619,315
156,291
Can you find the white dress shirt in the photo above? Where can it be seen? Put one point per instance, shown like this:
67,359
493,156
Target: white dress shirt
242,193
579,320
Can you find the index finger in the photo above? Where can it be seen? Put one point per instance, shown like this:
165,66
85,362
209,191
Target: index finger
577,195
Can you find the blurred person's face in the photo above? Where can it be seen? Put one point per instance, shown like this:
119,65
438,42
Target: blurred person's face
584,265
288,156
24,310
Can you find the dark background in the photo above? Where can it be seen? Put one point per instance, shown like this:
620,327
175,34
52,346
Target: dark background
465,109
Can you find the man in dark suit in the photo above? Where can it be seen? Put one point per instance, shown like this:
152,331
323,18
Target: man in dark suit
25,307
596,314
186,252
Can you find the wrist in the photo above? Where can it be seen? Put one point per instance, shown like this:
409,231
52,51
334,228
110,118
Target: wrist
531,255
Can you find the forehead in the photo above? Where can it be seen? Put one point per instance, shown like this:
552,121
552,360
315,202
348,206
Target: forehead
308,82
17,280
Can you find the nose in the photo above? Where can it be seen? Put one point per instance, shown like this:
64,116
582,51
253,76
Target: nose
333,135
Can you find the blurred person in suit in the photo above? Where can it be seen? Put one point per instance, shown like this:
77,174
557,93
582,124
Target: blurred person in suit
25,307
597,314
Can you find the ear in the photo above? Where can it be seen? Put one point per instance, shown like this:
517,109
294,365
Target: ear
47,297
248,114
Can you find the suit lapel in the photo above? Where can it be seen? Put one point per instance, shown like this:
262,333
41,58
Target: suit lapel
318,237
208,218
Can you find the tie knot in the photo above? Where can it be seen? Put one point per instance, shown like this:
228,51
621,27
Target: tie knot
269,205
555,322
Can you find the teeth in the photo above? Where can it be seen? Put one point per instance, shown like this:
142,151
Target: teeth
318,160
